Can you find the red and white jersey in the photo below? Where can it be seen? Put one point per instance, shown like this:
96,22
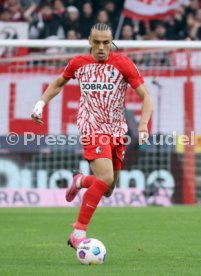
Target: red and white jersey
103,86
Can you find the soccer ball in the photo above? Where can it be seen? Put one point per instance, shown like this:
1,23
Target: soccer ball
91,251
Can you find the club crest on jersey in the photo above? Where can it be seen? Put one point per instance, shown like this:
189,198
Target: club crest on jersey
97,86
98,150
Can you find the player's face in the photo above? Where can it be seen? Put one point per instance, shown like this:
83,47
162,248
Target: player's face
100,42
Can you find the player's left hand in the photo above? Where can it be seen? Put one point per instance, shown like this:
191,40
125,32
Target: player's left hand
143,133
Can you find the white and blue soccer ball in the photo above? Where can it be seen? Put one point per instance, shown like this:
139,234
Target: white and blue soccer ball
91,252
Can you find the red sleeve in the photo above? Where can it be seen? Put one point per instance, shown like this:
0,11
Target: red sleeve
131,73
69,71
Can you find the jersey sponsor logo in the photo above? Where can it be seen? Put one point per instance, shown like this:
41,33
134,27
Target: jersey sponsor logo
97,86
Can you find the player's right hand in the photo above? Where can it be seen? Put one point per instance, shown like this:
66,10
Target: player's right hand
37,113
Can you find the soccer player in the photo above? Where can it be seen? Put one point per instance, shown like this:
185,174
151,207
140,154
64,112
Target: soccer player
103,77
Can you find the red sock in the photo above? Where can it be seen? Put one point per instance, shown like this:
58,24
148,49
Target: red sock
87,181
90,201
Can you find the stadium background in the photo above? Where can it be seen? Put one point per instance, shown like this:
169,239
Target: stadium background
152,175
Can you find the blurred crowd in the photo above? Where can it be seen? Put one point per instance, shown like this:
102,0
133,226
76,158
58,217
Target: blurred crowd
72,19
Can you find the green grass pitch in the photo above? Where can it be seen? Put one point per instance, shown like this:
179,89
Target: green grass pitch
140,241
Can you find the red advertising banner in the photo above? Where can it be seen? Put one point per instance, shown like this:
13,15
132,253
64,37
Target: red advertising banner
149,9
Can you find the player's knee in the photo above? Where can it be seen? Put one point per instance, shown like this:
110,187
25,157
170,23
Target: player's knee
108,179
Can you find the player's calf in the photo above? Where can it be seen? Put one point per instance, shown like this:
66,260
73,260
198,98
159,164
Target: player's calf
109,180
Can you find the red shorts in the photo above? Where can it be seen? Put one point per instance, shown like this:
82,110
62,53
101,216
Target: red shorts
105,146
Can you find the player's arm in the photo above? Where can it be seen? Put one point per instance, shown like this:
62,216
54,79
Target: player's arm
135,79
146,112
53,89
